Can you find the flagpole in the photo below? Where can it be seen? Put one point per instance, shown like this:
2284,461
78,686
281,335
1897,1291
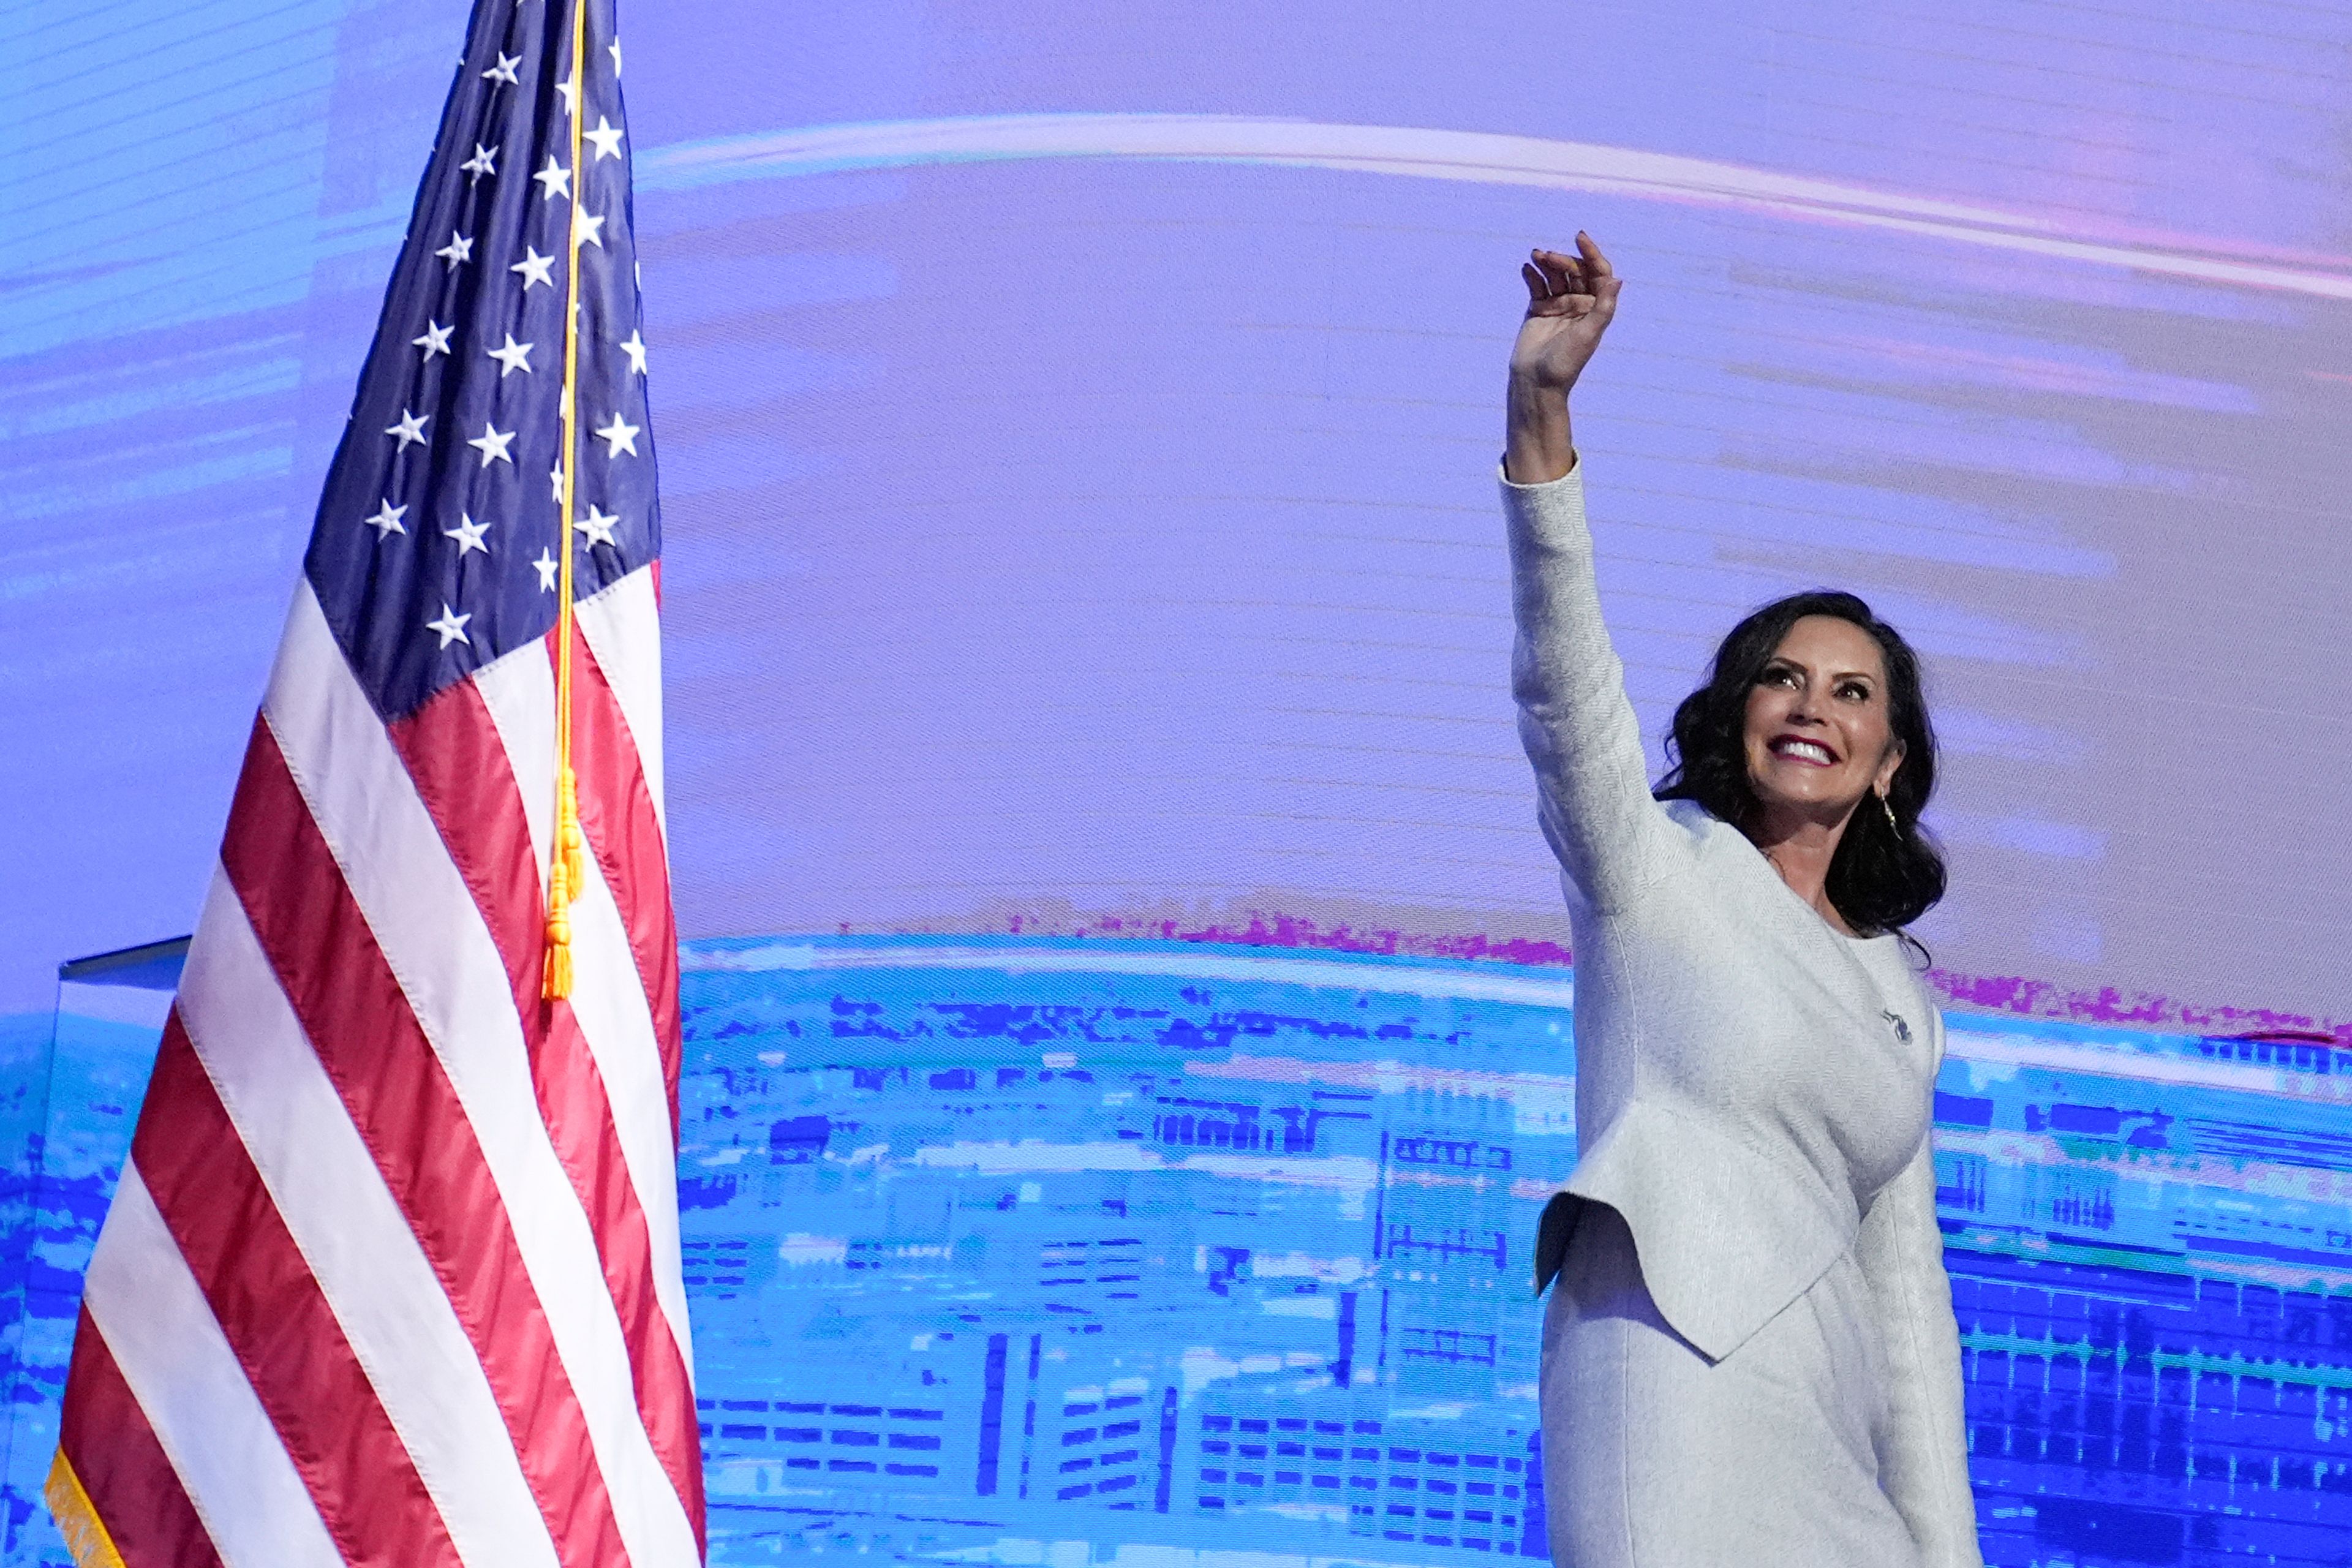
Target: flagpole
565,869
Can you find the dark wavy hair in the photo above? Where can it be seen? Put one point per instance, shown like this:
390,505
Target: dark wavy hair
1881,879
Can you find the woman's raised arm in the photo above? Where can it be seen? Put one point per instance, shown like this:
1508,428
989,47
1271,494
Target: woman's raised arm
1571,300
1578,727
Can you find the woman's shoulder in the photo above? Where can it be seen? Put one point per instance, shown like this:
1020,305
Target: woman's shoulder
1694,818
1712,841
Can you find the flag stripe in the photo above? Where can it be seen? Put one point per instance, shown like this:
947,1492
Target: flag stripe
129,1486
609,1007
431,933
464,776
177,1365
623,627
279,1324
616,813
332,1197
608,1014
391,1081
632,1028
469,786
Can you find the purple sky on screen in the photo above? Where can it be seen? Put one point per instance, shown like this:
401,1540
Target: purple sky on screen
1109,537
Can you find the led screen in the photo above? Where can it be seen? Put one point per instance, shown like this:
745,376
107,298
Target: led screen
1077,430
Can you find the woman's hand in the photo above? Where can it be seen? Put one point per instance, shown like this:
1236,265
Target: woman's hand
1571,300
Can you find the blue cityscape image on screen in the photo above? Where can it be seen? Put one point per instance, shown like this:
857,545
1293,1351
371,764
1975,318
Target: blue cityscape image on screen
1055,1252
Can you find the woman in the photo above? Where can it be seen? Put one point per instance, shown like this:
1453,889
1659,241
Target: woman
1750,1355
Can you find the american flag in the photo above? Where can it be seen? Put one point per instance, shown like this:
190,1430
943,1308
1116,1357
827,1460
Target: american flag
391,1275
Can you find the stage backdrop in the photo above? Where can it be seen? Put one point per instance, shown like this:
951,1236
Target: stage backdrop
1093,790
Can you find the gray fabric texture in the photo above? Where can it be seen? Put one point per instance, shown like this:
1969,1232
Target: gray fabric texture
1753,1088
1765,1457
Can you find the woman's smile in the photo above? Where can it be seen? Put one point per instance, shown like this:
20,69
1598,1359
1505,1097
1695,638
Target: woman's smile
1797,749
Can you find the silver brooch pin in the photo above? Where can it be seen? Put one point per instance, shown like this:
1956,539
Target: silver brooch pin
1902,1029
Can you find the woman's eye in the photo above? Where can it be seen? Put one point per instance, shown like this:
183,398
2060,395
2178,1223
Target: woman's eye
1854,691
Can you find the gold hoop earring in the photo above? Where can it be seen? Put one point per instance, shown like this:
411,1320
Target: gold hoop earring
1886,806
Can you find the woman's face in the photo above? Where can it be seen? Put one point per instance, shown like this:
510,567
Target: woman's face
1819,737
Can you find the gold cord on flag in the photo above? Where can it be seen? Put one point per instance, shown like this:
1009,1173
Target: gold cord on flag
565,868
86,1534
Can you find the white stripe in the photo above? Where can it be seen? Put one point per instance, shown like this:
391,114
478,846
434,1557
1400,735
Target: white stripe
440,949
351,1232
519,690
608,996
162,1333
622,627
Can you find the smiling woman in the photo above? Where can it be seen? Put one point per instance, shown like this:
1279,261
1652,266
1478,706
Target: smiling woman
1813,705
1751,1353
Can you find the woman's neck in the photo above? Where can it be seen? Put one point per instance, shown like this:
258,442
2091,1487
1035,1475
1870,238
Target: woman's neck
1800,849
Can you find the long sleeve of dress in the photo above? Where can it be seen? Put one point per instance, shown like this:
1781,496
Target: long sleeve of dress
1923,1451
1574,719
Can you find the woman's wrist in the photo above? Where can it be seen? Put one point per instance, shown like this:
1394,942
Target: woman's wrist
1539,442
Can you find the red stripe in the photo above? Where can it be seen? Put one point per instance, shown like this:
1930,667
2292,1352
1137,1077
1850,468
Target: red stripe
122,1469
369,1042
616,814
277,1322
462,771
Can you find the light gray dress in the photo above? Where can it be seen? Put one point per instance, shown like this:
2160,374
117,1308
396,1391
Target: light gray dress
1749,1356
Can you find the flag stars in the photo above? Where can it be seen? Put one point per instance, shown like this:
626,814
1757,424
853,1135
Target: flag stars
451,625
435,340
410,431
504,70
459,248
596,528
535,268
613,49
555,484
386,521
547,566
590,229
619,437
556,180
514,357
492,444
607,136
563,92
468,535
635,349
485,161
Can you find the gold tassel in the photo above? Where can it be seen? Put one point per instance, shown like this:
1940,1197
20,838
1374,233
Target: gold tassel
558,987
564,876
555,986
567,830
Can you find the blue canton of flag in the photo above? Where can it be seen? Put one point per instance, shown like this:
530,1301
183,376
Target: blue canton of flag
438,537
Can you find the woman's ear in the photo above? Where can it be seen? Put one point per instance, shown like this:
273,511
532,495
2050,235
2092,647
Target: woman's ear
1887,769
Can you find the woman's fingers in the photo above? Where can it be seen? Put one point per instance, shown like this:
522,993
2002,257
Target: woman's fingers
1564,273
1599,278
1576,287
1596,266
